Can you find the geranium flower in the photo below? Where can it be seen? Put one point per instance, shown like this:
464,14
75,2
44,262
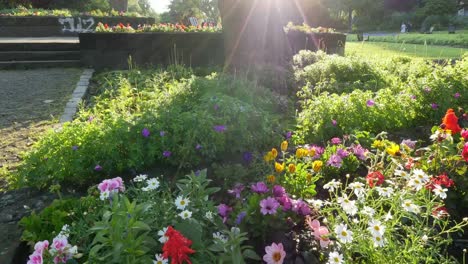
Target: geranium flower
40,246
465,152
343,234
450,121
259,187
35,258
181,202
268,206
275,254
335,258
375,178
177,247
440,212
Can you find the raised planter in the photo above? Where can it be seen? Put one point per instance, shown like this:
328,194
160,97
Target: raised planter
48,26
112,50
332,43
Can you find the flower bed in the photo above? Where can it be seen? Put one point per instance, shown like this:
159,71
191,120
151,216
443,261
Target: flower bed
46,26
112,50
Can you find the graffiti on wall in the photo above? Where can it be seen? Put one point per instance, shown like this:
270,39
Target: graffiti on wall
77,24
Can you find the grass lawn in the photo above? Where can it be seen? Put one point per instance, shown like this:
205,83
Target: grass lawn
441,38
383,49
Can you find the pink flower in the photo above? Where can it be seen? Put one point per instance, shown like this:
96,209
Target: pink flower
40,246
35,258
320,232
275,254
110,185
59,243
464,134
465,152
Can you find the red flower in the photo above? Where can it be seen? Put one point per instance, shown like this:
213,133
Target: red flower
440,212
106,26
465,152
177,247
442,180
375,178
450,121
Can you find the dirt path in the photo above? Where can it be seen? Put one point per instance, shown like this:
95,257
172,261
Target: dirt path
31,101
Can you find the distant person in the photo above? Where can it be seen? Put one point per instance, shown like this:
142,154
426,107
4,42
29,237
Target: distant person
403,28
409,28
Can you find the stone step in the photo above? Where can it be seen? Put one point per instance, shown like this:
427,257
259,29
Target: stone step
38,55
7,65
38,46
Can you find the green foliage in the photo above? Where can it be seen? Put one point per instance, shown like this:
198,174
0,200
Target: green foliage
418,94
181,10
109,133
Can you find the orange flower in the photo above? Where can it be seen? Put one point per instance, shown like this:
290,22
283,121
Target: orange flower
271,178
292,168
274,153
450,121
279,167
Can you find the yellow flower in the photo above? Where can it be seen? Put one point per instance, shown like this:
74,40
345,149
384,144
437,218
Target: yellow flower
292,168
309,177
271,178
317,165
378,144
279,167
300,153
284,145
312,152
274,153
268,157
393,149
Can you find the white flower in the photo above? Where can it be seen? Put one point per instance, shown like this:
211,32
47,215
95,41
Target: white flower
160,259
416,183
317,204
140,178
424,239
219,236
162,235
332,185
335,258
181,202
439,191
344,235
104,195
376,228
421,175
358,188
402,173
385,191
369,211
65,232
348,206
378,241
410,207
152,184
185,214
388,216
209,215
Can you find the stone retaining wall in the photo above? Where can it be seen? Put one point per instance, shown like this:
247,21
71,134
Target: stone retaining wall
112,50
48,26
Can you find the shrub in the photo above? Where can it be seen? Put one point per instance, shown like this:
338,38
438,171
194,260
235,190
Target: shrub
144,119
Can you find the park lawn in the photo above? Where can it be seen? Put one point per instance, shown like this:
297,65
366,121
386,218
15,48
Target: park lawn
440,38
381,50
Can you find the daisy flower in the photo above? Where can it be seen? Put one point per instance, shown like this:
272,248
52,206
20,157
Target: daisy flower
140,178
378,241
439,191
160,259
152,184
358,188
343,234
185,214
332,185
348,206
162,235
376,228
181,202
410,207
335,258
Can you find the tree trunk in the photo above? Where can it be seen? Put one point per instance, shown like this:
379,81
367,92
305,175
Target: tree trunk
119,5
350,19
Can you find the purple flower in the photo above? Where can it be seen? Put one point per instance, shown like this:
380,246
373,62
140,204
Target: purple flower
162,133
370,103
335,161
413,97
278,191
301,208
342,153
285,202
248,157
334,122
145,132
434,106
198,147
223,211
335,141
74,148
197,173
427,89
167,153
259,187
216,107
237,190
269,206
219,128
98,168
90,118
240,217
288,135
410,143
360,152
457,95
318,151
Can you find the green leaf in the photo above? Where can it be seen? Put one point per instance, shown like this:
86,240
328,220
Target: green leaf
250,254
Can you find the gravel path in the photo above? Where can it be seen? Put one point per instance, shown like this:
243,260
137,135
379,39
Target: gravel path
31,101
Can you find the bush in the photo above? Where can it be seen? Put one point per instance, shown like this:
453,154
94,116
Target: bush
145,119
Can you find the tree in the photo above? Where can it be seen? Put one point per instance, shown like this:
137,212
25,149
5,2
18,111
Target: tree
439,7
182,10
119,5
371,11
